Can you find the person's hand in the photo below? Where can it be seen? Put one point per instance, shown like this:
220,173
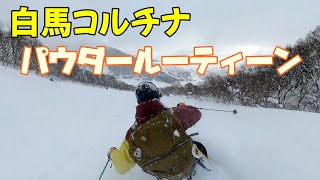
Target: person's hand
181,104
110,151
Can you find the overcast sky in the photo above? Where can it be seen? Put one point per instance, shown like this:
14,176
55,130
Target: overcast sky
250,26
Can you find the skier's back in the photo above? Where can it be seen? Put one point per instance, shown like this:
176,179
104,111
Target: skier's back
157,141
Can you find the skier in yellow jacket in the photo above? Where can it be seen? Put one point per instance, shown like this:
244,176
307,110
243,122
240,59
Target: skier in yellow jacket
149,107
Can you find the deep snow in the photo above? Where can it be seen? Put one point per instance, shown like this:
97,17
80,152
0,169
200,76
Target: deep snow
51,131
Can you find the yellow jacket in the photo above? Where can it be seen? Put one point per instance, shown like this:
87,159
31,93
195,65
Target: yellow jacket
121,159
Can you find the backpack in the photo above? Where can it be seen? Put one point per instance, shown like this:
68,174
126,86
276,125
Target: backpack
161,147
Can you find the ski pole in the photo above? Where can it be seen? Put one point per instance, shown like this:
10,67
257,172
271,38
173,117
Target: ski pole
220,110
104,169
214,167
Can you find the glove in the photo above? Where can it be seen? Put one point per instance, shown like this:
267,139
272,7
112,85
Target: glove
196,152
110,151
181,104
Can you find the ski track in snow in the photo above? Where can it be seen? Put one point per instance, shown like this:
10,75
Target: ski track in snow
63,131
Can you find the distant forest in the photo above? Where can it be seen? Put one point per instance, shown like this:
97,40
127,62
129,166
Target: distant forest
299,89
262,86
11,50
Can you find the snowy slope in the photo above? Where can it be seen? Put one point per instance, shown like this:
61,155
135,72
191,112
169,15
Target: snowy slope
62,131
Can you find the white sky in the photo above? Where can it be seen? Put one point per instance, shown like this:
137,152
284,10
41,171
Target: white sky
251,26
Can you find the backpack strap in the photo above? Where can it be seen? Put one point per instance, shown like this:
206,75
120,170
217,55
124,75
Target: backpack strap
134,126
165,154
